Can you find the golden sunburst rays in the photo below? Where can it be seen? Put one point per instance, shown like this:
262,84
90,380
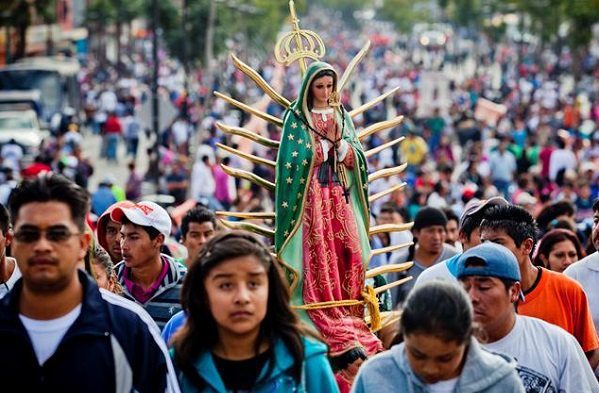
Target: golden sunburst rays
249,176
260,82
247,216
387,172
250,157
388,318
391,268
352,65
244,132
385,228
382,125
363,108
389,190
247,226
393,248
300,45
378,149
246,108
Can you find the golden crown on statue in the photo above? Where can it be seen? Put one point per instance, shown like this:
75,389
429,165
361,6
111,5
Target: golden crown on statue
298,44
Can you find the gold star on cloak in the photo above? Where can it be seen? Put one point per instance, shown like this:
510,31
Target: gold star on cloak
291,137
284,204
294,154
288,165
289,180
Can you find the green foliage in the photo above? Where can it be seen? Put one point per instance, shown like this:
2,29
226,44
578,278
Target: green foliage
582,14
254,22
404,13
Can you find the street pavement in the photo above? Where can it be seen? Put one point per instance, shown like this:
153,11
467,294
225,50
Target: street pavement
119,170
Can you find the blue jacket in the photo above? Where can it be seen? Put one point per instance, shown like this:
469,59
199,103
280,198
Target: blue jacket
174,324
318,376
483,372
113,346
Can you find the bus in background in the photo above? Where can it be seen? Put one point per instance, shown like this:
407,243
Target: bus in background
54,78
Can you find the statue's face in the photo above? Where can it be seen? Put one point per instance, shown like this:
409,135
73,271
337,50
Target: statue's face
321,90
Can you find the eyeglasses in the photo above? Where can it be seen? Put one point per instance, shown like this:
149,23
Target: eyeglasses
56,234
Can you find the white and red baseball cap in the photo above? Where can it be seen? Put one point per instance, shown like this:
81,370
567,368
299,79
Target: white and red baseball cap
145,213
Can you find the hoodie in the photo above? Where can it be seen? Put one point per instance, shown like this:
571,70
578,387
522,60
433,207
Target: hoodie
317,374
166,301
483,372
103,221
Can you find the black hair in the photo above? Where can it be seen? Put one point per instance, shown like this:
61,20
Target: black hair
553,237
320,74
151,231
438,308
198,214
473,221
551,212
4,220
450,214
200,330
389,207
514,220
49,187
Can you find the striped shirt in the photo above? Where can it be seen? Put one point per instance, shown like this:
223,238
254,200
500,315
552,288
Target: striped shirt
166,301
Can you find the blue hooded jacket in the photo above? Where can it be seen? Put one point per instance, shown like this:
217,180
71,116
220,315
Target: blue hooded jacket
317,373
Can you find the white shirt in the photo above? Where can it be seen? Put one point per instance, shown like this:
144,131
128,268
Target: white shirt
180,130
560,159
438,271
202,181
46,335
8,284
447,386
547,357
586,272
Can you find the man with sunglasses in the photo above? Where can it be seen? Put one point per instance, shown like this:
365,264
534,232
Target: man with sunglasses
58,331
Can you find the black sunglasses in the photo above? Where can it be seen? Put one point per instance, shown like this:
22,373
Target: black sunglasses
57,234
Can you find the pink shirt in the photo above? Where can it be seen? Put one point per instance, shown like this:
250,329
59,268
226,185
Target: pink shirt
140,294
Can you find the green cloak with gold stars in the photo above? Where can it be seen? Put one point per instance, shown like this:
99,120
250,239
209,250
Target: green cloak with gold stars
294,169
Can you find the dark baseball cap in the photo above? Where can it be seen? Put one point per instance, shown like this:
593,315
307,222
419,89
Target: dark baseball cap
476,205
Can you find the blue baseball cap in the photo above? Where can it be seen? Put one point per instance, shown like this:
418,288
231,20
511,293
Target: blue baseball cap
491,260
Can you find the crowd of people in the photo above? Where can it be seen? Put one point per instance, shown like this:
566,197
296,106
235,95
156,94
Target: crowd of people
487,319
104,290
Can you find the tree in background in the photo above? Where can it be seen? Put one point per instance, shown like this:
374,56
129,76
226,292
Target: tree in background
21,14
404,13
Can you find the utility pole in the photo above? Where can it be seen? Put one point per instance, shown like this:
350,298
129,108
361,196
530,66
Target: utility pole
209,51
185,17
155,60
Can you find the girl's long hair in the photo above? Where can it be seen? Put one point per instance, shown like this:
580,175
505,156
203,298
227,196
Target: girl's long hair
200,334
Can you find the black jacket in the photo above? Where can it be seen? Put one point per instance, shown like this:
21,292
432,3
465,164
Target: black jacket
113,346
